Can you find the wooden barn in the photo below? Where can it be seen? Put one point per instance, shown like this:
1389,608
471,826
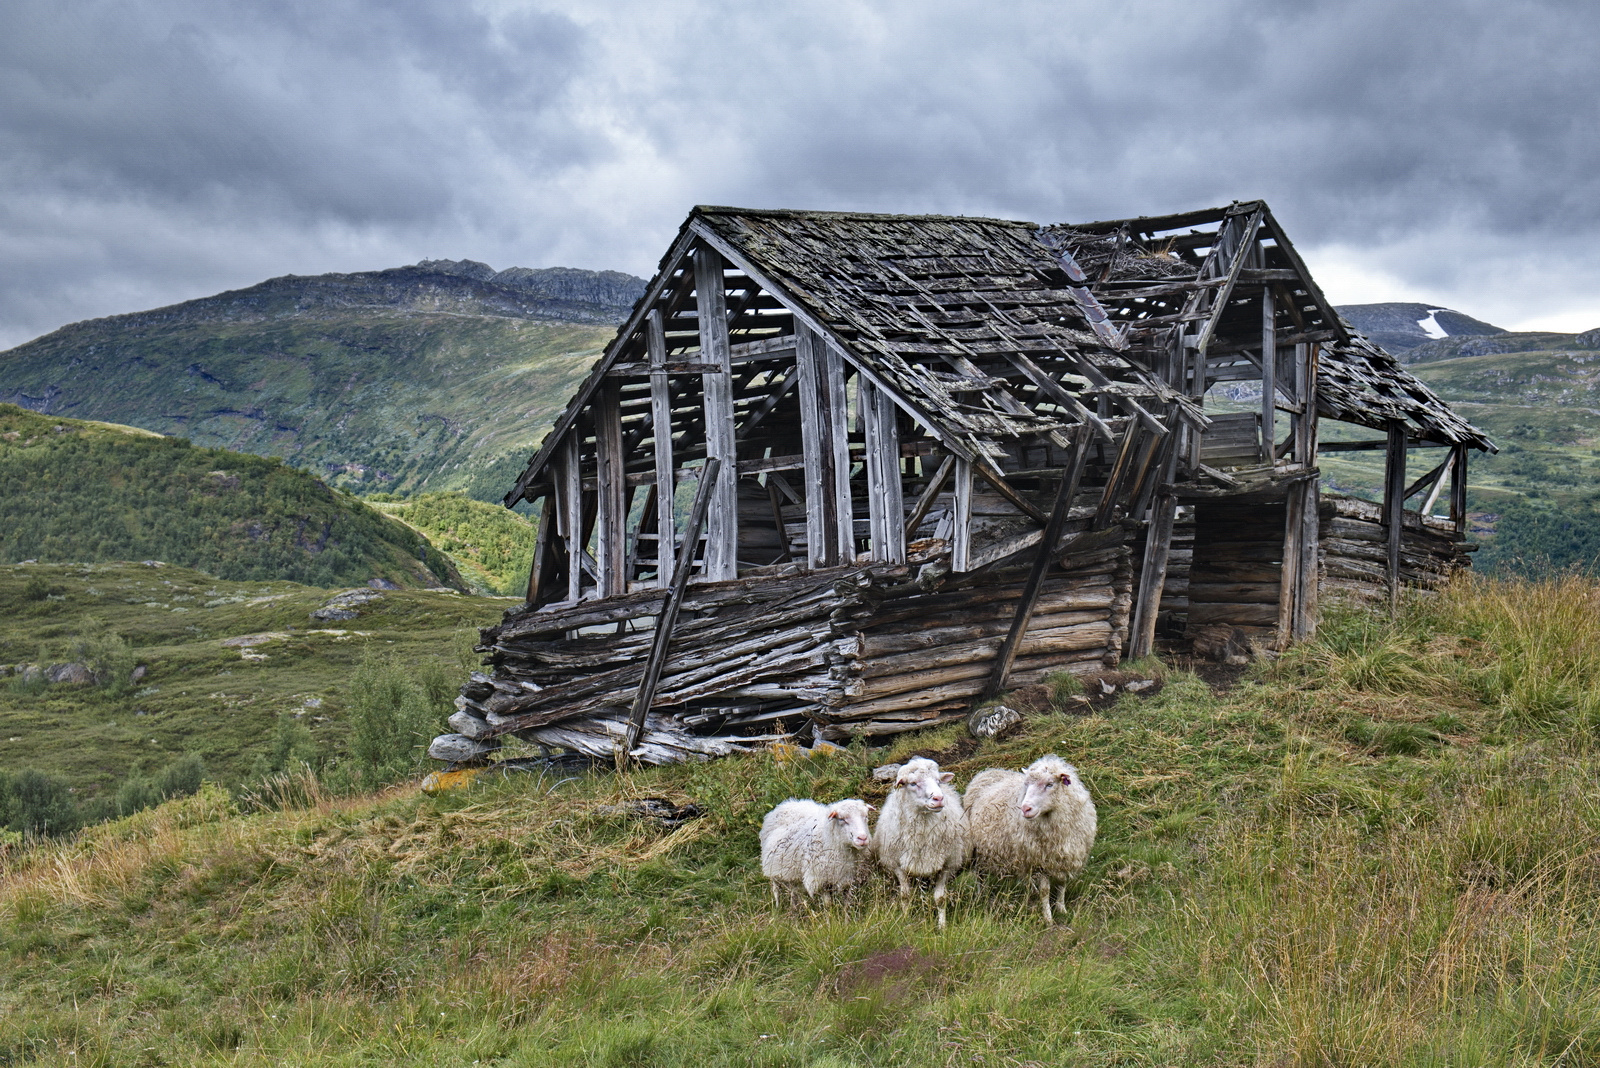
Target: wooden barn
846,475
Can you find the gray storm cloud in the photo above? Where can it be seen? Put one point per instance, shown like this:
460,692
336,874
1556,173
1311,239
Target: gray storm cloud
159,150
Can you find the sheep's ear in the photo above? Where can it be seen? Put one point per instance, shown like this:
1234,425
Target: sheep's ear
833,814
947,776
1066,780
872,808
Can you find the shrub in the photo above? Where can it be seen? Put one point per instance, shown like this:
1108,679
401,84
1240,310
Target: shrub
395,708
32,802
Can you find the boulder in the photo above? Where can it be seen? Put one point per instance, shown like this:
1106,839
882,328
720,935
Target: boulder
458,748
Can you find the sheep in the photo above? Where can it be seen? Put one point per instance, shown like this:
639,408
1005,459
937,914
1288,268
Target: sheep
818,846
922,830
1038,823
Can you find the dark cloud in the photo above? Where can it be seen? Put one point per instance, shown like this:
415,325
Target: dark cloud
152,151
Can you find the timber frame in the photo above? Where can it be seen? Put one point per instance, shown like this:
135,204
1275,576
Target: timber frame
952,454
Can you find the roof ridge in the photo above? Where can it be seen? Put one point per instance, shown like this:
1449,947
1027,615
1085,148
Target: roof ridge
796,213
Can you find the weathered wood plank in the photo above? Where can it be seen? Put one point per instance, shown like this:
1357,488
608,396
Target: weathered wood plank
722,527
885,504
666,483
612,513
1394,482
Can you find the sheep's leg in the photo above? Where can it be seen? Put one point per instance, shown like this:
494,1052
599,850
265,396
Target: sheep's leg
905,882
775,902
1044,899
939,894
1061,896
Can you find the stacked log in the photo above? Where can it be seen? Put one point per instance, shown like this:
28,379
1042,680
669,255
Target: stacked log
1355,555
853,651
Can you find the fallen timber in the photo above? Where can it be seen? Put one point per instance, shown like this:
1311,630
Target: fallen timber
935,458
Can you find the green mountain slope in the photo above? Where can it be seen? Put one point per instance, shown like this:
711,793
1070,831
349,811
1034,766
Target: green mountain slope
73,491
441,376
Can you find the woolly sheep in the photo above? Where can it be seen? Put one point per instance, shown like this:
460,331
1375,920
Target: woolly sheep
922,830
817,846
1038,823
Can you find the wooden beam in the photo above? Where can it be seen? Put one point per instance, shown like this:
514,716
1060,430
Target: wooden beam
1434,477
572,513
885,504
666,483
996,479
1119,470
1153,574
1239,253
722,532
672,602
830,533
930,493
611,550
1001,672
1289,568
1458,491
1394,482
961,518
1269,374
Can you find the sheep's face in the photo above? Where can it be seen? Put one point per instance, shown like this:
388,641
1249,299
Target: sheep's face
852,817
924,783
1042,785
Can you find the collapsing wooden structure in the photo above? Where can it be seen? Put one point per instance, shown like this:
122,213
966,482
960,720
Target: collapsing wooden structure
932,457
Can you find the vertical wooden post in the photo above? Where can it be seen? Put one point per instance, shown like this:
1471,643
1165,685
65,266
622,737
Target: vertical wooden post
1394,486
1458,491
711,306
885,500
1269,377
1289,569
572,510
1308,581
661,432
829,520
961,517
611,548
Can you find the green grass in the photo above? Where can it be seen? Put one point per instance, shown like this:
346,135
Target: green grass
225,704
1377,850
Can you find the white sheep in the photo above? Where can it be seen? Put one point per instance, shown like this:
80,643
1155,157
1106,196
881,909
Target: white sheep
1038,823
922,830
817,846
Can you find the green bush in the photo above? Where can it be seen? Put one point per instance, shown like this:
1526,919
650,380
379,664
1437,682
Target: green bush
395,709
34,803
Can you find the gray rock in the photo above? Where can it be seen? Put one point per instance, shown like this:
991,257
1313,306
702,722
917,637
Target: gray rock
989,722
472,726
139,673
74,674
382,584
886,773
1138,685
458,748
334,615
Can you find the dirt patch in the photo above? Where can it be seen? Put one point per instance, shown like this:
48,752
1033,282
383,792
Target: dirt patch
897,972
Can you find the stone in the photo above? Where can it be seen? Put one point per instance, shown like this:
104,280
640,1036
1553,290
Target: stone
471,726
139,673
1138,685
458,748
334,615
990,722
886,773
73,674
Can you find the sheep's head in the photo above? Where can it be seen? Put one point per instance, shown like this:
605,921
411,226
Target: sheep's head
1043,783
924,782
852,816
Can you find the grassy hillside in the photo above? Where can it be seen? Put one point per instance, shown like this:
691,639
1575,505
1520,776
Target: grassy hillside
491,546
377,383
289,681
74,491
1377,851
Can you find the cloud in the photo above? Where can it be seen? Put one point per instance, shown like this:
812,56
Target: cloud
159,150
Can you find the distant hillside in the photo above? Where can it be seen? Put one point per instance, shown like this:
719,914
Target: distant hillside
1401,327
440,376
491,546
80,492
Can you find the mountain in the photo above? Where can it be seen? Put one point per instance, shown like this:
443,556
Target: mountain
444,375
81,492
1401,327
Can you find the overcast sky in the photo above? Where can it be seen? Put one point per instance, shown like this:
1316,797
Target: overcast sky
153,151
